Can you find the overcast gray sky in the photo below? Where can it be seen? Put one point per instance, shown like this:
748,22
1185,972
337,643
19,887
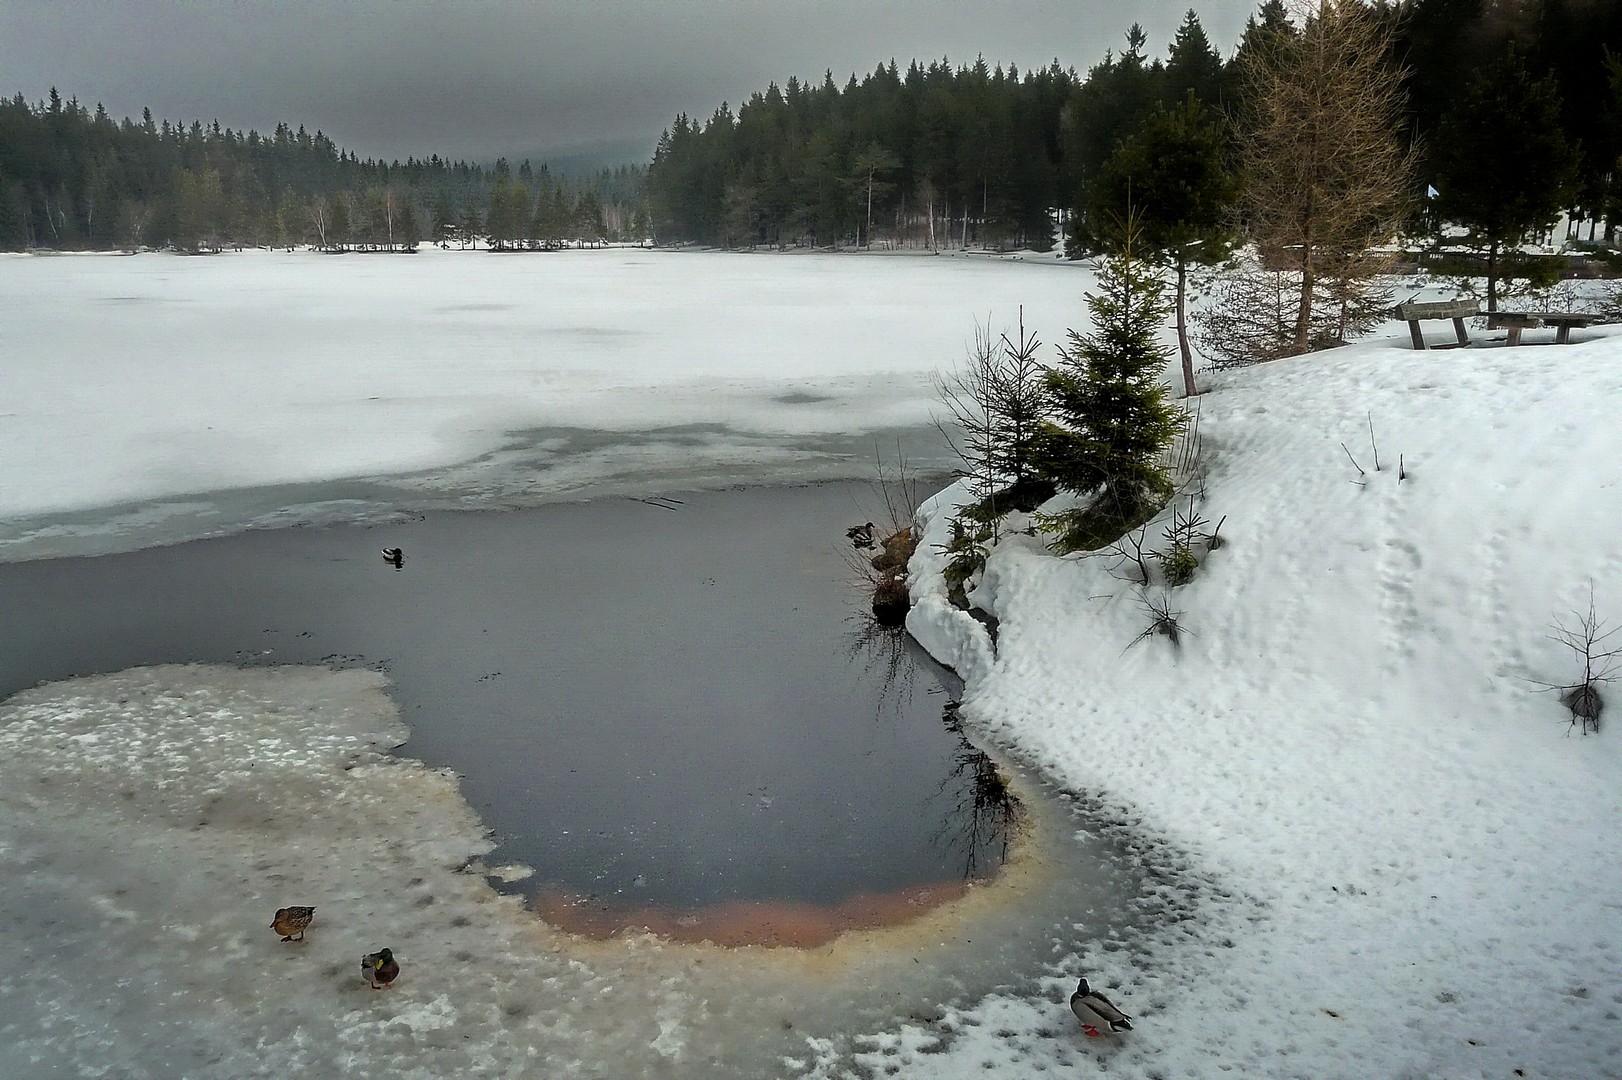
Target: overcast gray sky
481,79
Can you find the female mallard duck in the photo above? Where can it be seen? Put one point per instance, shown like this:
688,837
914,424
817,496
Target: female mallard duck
1097,1015
394,557
861,535
380,967
290,921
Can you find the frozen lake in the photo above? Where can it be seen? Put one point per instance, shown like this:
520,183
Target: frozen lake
157,816
154,398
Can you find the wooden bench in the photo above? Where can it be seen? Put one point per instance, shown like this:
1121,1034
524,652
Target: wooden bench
1457,310
1517,321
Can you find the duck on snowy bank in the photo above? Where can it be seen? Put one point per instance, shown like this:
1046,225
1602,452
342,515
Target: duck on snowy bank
1096,1013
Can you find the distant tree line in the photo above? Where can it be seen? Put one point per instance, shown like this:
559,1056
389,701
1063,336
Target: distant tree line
73,178
982,155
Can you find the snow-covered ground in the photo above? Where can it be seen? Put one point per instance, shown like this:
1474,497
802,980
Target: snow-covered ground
1390,854
1352,738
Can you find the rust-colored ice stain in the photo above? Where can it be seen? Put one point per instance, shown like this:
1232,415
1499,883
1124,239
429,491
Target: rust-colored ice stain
772,924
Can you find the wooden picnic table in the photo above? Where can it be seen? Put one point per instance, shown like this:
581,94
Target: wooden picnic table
1457,310
1517,321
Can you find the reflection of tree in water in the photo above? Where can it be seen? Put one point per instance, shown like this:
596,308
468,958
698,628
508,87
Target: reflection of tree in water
981,820
888,654
982,811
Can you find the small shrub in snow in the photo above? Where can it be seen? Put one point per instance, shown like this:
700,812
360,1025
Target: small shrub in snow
1178,564
969,548
1586,640
1180,561
1162,619
1187,540
1255,310
1118,550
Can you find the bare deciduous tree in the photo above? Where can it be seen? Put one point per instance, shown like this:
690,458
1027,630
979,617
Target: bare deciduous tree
997,400
1327,173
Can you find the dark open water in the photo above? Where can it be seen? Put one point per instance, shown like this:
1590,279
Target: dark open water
649,706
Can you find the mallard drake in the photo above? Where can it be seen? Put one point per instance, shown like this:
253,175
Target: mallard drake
861,535
291,921
1097,1015
394,556
380,967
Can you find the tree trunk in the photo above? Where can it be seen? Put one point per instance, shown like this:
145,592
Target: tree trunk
1189,390
1303,315
869,210
1492,276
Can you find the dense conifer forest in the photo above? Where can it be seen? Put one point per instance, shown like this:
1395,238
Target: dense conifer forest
979,154
933,155
73,178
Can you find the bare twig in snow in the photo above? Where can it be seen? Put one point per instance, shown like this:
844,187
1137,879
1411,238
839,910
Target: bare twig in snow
1353,460
1162,620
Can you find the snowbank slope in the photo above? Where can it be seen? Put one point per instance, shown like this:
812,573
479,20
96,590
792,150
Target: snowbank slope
1351,738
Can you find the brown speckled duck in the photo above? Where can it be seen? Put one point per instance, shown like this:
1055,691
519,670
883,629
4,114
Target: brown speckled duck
292,921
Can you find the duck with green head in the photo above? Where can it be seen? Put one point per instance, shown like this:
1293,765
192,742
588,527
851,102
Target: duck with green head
1097,1013
380,967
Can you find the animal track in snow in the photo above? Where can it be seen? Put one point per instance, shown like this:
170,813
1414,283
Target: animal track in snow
1399,564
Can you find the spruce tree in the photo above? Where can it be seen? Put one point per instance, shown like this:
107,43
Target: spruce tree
1192,66
443,225
407,233
472,226
1173,174
1505,167
13,237
1111,422
338,222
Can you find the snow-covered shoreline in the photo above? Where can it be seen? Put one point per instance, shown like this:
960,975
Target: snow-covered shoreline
1351,735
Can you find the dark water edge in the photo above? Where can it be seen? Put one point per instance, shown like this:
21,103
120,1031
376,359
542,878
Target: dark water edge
662,703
